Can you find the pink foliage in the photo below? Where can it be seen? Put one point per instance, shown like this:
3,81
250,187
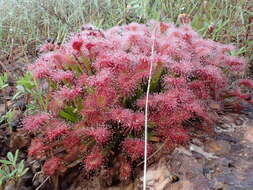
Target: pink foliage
125,170
34,122
71,141
58,128
245,82
47,47
37,148
135,148
96,90
51,166
174,135
94,160
100,134
77,45
131,121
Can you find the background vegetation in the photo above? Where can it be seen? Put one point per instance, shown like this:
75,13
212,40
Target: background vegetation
25,24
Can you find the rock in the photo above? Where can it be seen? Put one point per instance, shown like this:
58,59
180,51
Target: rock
182,185
217,147
199,150
10,187
226,137
229,119
239,121
189,171
215,106
2,109
249,135
158,177
197,142
183,150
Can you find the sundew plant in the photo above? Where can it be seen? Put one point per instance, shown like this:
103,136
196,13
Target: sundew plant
94,88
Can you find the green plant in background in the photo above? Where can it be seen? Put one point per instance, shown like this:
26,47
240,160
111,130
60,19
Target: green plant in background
9,117
3,81
3,84
11,170
28,87
25,85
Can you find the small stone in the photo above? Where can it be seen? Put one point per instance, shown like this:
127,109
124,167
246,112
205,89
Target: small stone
197,142
227,138
182,185
2,109
239,121
158,177
249,135
8,103
218,147
215,106
10,187
199,150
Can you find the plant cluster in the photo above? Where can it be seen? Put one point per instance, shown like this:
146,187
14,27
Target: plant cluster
94,89
10,170
3,81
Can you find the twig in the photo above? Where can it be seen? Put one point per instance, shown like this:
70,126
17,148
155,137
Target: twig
153,154
74,163
56,182
42,183
146,117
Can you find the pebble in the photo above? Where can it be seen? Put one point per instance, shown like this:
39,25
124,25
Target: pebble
218,147
10,187
249,135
